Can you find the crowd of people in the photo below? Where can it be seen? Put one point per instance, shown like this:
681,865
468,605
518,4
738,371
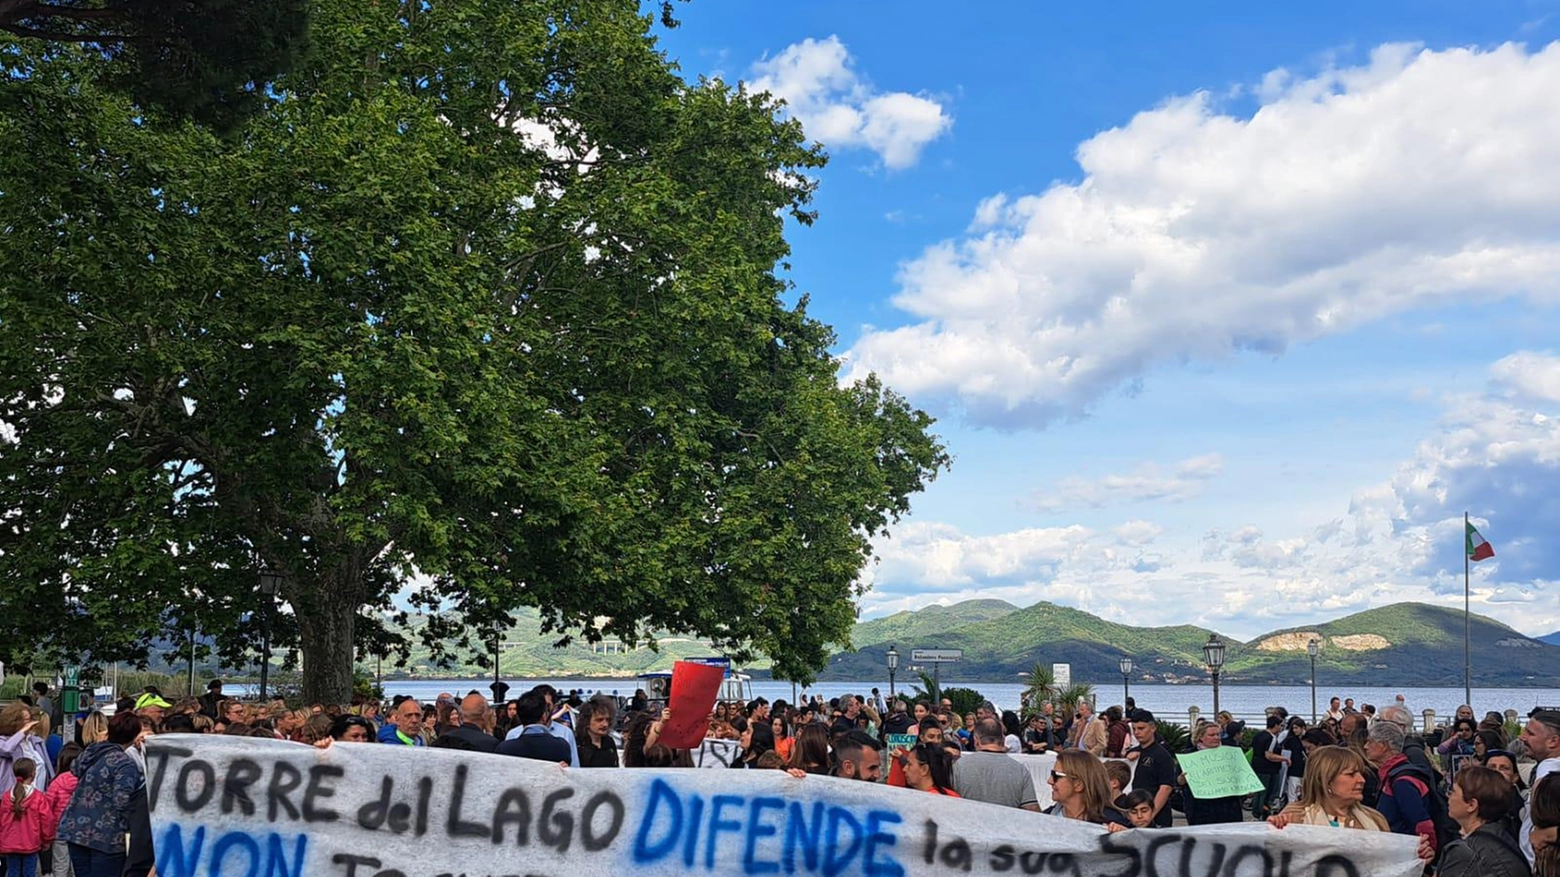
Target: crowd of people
73,791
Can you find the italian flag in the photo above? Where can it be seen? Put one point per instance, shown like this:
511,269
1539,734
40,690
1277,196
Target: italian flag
1478,549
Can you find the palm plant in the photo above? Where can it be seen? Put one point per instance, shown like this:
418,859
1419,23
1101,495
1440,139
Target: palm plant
1072,695
1039,688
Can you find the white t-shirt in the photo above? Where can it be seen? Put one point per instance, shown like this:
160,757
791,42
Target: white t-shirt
1014,745
1545,768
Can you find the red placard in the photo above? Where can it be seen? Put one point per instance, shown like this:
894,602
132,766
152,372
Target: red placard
694,687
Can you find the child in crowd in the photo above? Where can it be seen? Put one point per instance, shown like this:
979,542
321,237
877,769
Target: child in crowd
26,822
1139,807
59,794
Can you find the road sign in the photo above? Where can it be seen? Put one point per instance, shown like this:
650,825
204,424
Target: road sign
936,656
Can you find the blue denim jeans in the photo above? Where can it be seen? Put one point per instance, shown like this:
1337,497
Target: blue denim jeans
21,866
87,862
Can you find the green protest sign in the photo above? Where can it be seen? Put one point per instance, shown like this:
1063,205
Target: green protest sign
1219,773
896,742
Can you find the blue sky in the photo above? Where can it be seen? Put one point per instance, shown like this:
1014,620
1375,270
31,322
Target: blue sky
1227,312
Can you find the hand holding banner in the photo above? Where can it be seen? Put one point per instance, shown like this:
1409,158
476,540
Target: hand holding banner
694,687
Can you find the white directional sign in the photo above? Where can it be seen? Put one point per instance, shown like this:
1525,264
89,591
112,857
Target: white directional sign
1061,674
936,656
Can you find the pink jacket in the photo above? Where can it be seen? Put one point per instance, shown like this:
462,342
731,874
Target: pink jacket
30,833
59,794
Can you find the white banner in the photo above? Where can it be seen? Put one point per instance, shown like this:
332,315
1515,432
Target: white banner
242,807
716,753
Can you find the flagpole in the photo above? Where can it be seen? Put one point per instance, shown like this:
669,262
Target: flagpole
1467,661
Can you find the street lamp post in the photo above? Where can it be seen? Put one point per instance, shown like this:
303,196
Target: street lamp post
269,582
1213,656
1125,666
1312,648
893,667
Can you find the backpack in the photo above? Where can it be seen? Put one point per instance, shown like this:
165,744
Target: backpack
1446,828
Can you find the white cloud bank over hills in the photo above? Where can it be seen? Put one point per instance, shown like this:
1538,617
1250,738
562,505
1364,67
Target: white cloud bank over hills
840,109
1496,455
1417,178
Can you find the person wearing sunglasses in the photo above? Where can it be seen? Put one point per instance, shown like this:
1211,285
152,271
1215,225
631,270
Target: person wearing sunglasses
1081,791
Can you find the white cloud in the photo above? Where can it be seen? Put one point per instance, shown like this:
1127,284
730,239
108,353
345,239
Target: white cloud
1194,235
1146,482
1496,454
840,109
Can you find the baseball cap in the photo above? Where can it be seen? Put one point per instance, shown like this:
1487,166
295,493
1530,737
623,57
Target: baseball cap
148,700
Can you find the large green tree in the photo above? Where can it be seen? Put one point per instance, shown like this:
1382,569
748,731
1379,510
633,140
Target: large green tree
486,302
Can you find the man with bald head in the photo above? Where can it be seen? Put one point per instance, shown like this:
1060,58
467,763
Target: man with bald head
476,724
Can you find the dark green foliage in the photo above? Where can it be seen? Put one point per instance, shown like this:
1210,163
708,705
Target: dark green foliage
206,60
1177,737
965,700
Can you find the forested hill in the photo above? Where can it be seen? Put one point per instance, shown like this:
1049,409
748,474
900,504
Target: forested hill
1401,644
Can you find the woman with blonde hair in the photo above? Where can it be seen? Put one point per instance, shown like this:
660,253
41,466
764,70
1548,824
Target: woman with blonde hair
94,729
1081,789
231,712
1331,793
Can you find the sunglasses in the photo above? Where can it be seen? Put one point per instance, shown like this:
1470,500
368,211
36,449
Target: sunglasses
1058,775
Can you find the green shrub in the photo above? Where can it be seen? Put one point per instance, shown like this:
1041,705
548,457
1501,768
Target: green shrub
1176,737
965,700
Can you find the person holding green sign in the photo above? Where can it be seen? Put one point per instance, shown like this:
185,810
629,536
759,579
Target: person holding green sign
1211,786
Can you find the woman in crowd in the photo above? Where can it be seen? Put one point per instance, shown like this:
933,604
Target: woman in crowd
593,734
966,732
352,729
927,768
1231,730
1208,811
1081,790
96,824
1480,800
1014,736
1331,794
810,753
1294,745
1504,763
1495,722
1485,742
18,722
756,740
783,741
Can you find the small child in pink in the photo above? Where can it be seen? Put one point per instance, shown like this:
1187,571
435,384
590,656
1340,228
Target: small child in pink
27,822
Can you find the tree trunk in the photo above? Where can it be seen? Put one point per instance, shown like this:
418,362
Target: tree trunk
326,628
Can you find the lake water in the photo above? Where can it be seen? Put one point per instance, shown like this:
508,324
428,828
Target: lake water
1169,700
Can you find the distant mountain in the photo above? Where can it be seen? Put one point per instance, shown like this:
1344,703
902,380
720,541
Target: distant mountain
1551,638
1399,644
1007,646
908,628
1402,644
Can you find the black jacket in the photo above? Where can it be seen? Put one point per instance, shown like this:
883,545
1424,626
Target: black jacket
478,739
1488,852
